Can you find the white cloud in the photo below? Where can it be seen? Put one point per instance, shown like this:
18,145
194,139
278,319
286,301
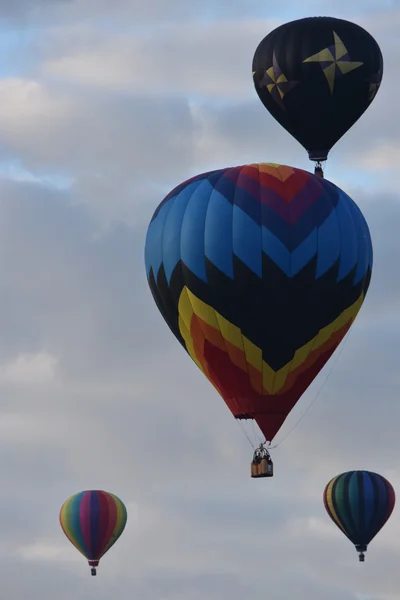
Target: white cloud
197,58
44,550
29,369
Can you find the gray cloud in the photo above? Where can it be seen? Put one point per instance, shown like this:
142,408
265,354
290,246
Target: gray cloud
96,392
73,11
125,90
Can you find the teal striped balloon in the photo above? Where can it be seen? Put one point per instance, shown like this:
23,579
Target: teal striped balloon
359,503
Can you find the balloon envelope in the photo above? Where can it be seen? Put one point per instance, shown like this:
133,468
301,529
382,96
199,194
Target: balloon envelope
317,76
259,271
359,503
93,521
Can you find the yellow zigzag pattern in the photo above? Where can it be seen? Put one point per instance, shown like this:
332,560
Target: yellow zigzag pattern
273,381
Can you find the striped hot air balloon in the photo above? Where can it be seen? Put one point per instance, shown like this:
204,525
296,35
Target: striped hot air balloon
359,503
259,271
93,520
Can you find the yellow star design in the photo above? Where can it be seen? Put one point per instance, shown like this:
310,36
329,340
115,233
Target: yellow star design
334,60
276,81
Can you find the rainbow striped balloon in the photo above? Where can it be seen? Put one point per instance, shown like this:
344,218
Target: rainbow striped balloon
359,503
93,520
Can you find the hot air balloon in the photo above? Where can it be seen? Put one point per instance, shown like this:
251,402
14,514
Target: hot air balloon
259,271
93,520
359,503
317,76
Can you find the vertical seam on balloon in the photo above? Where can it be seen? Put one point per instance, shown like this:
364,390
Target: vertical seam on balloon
181,261
315,336
88,543
384,516
161,296
384,499
215,312
361,490
392,498
370,525
275,373
340,513
363,520
94,525
329,502
350,519
262,389
77,541
102,544
340,523
248,407
369,479
118,526
247,404
358,245
182,270
66,508
356,229
262,283
370,250
91,535
289,364
99,545
364,225
387,501
374,521
263,363
324,190
339,259
118,504
86,548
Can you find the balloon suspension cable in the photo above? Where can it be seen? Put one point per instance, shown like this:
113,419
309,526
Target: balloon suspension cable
256,433
316,395
247,436
318,169
256,441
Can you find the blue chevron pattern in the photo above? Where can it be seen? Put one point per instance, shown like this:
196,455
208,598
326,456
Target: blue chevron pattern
230,213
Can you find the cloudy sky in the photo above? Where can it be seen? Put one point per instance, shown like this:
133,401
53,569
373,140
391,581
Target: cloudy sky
104,107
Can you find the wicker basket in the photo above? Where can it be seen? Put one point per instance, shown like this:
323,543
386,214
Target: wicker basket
262,468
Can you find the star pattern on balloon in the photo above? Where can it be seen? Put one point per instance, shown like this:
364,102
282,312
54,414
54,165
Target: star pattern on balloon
276,82
334,60
374,85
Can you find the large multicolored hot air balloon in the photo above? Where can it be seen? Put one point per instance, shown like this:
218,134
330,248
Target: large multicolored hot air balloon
93,521
317,76
359,503
259,271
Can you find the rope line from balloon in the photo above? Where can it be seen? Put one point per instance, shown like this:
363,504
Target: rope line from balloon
242,425
245,433
315,397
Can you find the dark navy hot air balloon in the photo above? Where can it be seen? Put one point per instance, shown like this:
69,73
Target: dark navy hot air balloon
359,503
259,271
317,76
